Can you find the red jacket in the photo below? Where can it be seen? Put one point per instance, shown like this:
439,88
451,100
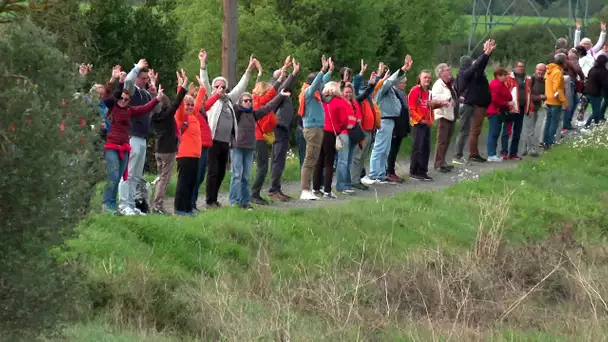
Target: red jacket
419,102
269,121
501,95
337,112
120,121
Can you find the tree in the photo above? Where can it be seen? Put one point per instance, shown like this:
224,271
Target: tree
47,159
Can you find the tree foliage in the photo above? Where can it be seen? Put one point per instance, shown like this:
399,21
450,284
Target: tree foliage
45,179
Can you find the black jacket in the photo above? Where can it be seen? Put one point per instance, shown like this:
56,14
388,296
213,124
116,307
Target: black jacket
402,122
472,83
165,127
597,81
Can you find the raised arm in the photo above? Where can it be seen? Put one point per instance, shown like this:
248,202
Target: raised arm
142,110
600,42
315,85
290,79
203,74
577,34
369,89
272,106
132,76
200,96
240,87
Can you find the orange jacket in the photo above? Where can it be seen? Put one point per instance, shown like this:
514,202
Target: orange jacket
268,122
419,102
191,143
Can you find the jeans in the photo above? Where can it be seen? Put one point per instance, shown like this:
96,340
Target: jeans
164,162
116,167
596,110
604,108
421,150
262,155
517,120
242,163
382,146
359,159
574,99
345,160
551,124
186,179
493,133
466,119
137,159
200,177
301,142
279,158
529,131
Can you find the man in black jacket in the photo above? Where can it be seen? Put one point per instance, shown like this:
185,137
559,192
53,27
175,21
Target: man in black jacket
474,92
402,129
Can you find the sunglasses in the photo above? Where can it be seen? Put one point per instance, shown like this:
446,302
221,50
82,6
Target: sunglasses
218,87
126,99
189,104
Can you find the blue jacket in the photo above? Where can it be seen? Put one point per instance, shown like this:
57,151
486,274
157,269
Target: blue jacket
314,115
387,100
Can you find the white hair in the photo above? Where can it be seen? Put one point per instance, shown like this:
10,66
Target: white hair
220,78
439,68
586,40
332,89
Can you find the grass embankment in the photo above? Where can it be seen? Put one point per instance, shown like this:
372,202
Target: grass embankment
518,255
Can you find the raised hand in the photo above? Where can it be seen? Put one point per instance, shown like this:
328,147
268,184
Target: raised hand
180,80
296,67
116,71
372,78
123,77
387,74
159,93
330,63
142,64
287,62
285,93
202,56
192,89
363,68
324,63
407,63
83,69
184,78
200,82
578,25
258,66
603,26
251,63
153,76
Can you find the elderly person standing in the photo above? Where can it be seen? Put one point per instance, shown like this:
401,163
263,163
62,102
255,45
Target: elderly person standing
588,61
445,117
537,90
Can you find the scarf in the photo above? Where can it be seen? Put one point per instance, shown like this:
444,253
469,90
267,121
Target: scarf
302,98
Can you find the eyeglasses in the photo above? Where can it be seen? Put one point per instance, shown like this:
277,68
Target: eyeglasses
189,104
246,100
126,99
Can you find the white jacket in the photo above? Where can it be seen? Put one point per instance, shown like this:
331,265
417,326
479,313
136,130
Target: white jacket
588,61
213,114
441,92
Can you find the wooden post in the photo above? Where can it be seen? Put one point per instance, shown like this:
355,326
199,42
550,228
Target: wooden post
229,41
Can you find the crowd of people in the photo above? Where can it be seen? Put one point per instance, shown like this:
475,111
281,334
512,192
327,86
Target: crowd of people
340,124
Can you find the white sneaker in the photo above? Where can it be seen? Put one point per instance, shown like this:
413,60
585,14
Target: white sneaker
495,159
585,130
368,181
139,212
348,192
329,195
127,211
307,195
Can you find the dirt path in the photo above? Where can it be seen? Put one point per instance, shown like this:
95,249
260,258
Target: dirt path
441,181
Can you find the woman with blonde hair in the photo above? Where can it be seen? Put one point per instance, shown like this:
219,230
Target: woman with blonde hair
337,111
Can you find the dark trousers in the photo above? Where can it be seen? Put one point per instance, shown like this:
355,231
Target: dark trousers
517,120
217,159
200,176
596,110
262,153
186,178
279,157
392,154
301,142
324,170
445,129
421,150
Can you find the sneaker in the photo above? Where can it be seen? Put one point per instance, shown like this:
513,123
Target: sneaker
108,210
348,192
442,169
128,211
394,178
514,157
285,196
360,186
421,177
477,159
139,212
449,167
317,193
247,207
564,131
259,200
159,211
503,156
534,154
214,205
329,195
307,195
427,178
459,160
368,181
384,181
277,196
495,159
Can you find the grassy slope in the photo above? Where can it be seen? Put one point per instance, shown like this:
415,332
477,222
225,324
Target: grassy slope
567,185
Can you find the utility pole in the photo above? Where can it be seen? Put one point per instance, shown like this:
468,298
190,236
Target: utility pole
230,31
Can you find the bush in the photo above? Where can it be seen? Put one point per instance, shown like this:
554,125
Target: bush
48,169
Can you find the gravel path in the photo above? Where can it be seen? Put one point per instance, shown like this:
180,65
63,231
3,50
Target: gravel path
441,181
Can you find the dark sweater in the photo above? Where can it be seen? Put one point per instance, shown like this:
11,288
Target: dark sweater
402,122
597,81
285,112
165,127
247,121
537,89
140,126
472,83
